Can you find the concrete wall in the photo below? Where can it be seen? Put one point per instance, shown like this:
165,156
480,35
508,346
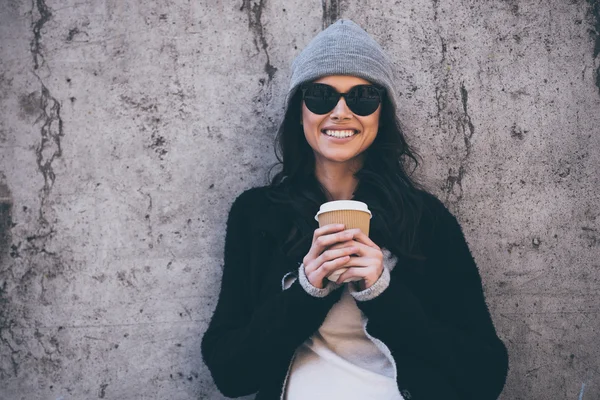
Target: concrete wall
128,127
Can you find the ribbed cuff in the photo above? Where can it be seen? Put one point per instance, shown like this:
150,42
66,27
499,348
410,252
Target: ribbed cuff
389,260
375,290
310,289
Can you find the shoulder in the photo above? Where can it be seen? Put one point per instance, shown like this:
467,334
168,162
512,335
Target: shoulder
250,202
256,206
252,197
436,218
433,206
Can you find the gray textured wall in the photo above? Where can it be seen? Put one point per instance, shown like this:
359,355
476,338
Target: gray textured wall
128,127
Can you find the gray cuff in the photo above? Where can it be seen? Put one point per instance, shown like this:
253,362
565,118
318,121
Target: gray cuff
389,260
310,289
375,290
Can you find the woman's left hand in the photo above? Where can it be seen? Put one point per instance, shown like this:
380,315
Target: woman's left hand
367,264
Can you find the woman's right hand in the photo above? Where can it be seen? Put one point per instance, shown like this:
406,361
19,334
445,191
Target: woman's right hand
322,260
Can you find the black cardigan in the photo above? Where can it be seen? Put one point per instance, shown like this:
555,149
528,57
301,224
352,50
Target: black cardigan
433,316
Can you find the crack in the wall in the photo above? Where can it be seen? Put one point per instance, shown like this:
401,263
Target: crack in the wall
441,90
464,95
254,10
595,12
148,217
49,147
438,105
441,93
31,259
454,181
45,14
331,12
7,324
51,131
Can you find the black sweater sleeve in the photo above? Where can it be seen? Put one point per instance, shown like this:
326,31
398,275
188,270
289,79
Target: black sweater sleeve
459,339
246,343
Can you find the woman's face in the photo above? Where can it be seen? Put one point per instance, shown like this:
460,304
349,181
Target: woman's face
319,130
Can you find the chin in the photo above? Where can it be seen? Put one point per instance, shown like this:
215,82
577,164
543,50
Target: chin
339,158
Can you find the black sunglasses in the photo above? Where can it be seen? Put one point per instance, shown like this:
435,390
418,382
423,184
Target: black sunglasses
361,99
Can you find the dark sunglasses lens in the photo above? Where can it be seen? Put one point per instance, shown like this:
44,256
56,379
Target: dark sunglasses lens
363,100
320,99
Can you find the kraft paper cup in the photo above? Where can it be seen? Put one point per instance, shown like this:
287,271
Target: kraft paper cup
351,213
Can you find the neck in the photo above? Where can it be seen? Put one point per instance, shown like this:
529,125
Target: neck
337,178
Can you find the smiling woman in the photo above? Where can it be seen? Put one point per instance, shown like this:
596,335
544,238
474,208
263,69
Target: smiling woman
339,137
405,316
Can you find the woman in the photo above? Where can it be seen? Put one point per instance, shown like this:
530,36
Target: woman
415,325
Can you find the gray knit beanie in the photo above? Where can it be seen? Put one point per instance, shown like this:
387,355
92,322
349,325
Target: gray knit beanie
344,48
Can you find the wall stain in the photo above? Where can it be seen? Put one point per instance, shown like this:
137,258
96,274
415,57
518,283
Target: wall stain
29,104
158,143
254,10
591,236
331,12
72,33
102,390
517,133
76,35
514,6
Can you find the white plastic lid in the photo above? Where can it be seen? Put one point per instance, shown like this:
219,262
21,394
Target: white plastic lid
343,205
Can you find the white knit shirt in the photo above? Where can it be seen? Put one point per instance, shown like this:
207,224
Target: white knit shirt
340,362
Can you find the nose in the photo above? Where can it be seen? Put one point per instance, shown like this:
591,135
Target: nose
341,110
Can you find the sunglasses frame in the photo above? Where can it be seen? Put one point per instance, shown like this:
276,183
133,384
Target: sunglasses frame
380,91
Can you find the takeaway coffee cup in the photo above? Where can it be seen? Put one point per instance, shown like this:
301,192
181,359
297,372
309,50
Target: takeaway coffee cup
351,213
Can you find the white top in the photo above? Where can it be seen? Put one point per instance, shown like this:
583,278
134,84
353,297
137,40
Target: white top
340,362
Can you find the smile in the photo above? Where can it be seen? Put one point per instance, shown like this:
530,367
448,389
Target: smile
340,133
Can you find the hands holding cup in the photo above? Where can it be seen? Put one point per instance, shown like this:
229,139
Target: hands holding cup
365,265
343,255
322,260
349,251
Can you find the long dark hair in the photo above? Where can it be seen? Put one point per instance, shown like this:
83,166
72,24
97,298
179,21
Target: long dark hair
385,180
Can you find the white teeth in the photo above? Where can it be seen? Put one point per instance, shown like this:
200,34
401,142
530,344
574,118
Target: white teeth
339,134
